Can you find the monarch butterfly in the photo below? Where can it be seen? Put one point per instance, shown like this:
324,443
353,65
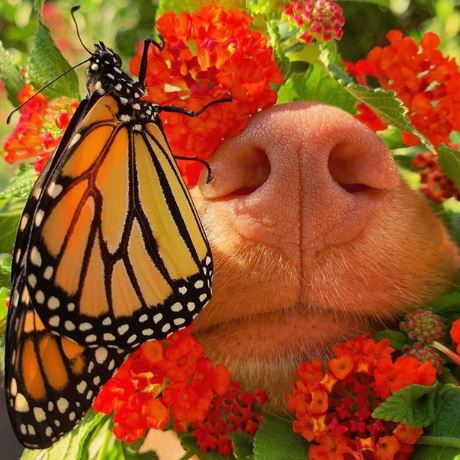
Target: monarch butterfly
110,252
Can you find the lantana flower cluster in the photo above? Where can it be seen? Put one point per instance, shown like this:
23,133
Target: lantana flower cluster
41,124
172,382
321,20
235,410
210,54
333,408
162,381
428,83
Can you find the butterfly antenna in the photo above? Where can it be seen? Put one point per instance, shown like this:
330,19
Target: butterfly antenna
19,107
73,10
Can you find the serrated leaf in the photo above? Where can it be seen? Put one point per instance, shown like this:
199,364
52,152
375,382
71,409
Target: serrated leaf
275,439
449,161
413,405
73,445
242,444
318,86
189,444
21,184
444,433
383,103
179,6
46,62
11,75
397,339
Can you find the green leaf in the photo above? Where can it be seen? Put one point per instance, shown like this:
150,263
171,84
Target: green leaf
318,86
384,3
11,75
189,444
10,213
73,445
397,339
4,294
179,6
5,272
276,440
242,445
412,405
383,103
21,184
449,161
447,303
441,439
46,62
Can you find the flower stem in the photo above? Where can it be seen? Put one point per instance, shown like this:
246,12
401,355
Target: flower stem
440,441
448,352
105,442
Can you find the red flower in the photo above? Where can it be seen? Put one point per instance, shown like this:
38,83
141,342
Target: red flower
320,20
235,410
168,379
208,54
39,129
436,185
455,333
333,409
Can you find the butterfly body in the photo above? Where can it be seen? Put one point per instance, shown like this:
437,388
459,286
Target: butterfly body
110,253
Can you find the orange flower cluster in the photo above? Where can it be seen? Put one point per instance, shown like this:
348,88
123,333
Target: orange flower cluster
333,408
429,85
41,125
208,54
235,410
321,20
426,81
163,380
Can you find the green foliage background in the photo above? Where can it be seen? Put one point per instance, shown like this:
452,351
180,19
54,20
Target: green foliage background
121,24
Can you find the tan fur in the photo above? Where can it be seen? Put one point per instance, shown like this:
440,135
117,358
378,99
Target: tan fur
302,263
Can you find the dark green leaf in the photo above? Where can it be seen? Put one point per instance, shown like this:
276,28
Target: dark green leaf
21,184
397,339
276,440
73,445
315,85
46,62
242,445
449,160
11,75
412,405
441,440
446,303
189,444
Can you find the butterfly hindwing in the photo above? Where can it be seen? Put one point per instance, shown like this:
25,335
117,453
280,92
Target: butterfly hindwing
50,380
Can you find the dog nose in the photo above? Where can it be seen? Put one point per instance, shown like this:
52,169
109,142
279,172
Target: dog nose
302,175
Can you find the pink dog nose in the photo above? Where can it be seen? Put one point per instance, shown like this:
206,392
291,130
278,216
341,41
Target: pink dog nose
303,176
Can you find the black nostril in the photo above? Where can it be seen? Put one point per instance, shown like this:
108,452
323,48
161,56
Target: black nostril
348,169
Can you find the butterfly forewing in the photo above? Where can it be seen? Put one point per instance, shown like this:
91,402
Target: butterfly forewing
117,252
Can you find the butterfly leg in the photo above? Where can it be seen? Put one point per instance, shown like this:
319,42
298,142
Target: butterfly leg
209,177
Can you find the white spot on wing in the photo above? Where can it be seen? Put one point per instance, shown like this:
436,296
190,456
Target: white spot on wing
54,189
101,355
62,405
53,303
35,257
21,404
39,414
